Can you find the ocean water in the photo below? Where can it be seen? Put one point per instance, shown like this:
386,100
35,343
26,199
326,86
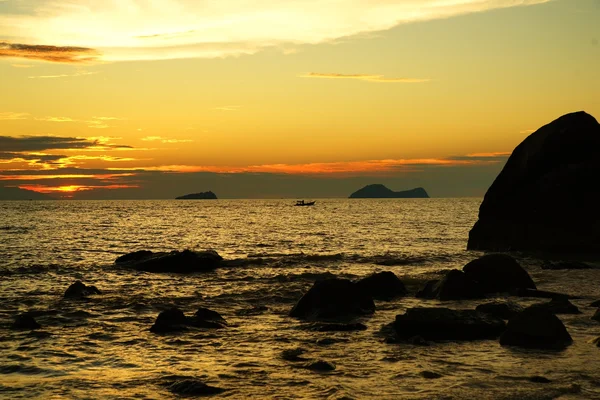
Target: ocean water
101,347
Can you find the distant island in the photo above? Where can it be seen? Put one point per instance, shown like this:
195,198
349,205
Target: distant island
198,196
378,191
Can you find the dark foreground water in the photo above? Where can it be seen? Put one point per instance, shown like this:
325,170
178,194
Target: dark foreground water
101,347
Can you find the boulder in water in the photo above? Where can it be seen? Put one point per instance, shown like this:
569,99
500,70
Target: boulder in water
171,320
447,324
332,299
25,322
382,286
79,290
596,316
546,197
536,328
193,387
456,285
320,366
174,320
502,310
558,306
186,261
498,273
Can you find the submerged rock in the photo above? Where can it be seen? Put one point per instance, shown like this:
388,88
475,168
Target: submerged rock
186,261
558,306
430,375
25,322
293,355
566,265
192,387
455,285
498,273
596,316
447,324
333,298
79,290
339,327
546,197
595,304
536,328
382,286
321,366
174,320
502,310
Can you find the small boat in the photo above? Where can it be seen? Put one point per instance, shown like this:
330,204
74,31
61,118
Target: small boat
305,203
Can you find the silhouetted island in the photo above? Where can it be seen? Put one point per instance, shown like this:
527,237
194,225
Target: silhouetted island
546,197
378,191
13,193
198,196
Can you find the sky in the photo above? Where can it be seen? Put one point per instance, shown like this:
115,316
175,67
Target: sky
267,99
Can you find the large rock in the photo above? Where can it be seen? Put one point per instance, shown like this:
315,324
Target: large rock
546,197
456,285
80,290
536,328
498,273
447,324
382,286
186,261
332,299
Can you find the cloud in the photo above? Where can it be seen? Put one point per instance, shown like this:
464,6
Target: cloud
21,65
165,140
40,143
61,54
8,116
364,77
169,29
79,73
342,168
101,122
227,108
56,119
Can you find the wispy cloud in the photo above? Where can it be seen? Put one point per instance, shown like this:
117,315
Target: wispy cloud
76,74
61,54
9,116
165,140
364,77
168,29
227,108
343,168
101,122
21,65
56,119
527,131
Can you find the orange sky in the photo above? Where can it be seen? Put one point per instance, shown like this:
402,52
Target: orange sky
100,97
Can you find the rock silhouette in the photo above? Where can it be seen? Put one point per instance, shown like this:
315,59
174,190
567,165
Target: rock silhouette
498,273
186,261
456,285
378,191
382,286
545,198
447,324
80,290
174,320
25,322
331,299
536,328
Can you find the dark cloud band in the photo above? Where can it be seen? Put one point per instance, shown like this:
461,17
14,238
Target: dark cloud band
60,54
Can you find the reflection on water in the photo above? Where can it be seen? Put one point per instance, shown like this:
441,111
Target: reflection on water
101,347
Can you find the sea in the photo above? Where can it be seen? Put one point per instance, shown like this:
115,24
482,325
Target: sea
101,347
